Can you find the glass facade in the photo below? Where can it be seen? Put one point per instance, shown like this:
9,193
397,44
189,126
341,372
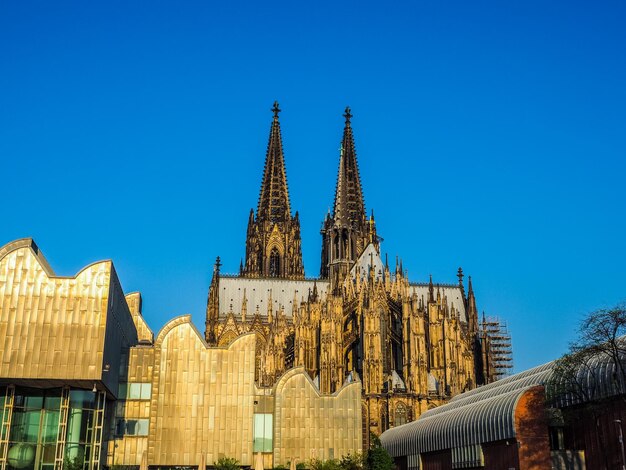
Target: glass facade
36,433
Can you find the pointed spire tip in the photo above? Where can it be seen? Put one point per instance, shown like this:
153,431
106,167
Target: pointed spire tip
276,109
348,115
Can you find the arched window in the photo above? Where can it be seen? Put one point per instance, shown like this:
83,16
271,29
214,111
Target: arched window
344,243
384,420
274,263
401,415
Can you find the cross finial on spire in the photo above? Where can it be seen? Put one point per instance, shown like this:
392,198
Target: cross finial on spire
348,115
275,110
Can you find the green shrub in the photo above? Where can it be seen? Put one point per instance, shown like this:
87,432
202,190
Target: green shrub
330,464
352,462
226,463
377,457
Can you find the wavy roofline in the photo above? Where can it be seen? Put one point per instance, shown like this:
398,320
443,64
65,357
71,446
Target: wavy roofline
29,242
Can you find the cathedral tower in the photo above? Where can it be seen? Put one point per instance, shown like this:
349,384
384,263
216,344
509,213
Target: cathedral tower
347,231
273,244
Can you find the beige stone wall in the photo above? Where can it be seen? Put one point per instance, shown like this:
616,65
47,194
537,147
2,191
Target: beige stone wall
55,328
203,402
144,332
202,398
309,425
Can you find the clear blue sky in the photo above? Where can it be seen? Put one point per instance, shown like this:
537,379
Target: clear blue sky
490,135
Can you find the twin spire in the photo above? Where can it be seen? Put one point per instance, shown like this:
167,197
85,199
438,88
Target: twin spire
274,205
273,243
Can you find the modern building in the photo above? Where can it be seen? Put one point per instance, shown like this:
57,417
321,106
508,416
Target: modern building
514,423
413,345
84,383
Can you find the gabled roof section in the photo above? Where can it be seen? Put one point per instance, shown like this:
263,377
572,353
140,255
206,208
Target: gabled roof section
349,206
259,291
28,243
369,259
274,196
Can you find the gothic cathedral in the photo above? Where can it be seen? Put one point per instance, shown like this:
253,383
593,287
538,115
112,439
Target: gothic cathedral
412,345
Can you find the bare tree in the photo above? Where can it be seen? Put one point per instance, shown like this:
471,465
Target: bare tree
592,370
601,341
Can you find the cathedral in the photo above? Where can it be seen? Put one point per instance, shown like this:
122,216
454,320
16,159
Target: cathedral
411,345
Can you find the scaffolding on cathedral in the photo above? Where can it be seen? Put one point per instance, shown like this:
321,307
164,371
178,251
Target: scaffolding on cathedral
499,346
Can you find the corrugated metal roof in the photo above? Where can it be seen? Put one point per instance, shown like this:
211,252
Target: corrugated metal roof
486,413
490,419
597,378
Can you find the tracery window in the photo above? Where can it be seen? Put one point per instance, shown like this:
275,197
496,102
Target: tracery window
274,263
401,415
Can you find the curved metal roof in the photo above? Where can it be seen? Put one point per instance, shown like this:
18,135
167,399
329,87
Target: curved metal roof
486,413
488,418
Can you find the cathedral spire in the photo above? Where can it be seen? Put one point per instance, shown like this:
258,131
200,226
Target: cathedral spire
349,206
274,195
273,244
347,232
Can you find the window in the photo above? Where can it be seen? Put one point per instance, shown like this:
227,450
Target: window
263,427
135,391
401,415
274,263
133,427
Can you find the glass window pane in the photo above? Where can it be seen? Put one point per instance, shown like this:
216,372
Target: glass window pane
146,391
25,426
50,426
52,403
134,391
143,426
122,391
121,427
131,427
268,433
82,399
48,454
34,402
257,442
